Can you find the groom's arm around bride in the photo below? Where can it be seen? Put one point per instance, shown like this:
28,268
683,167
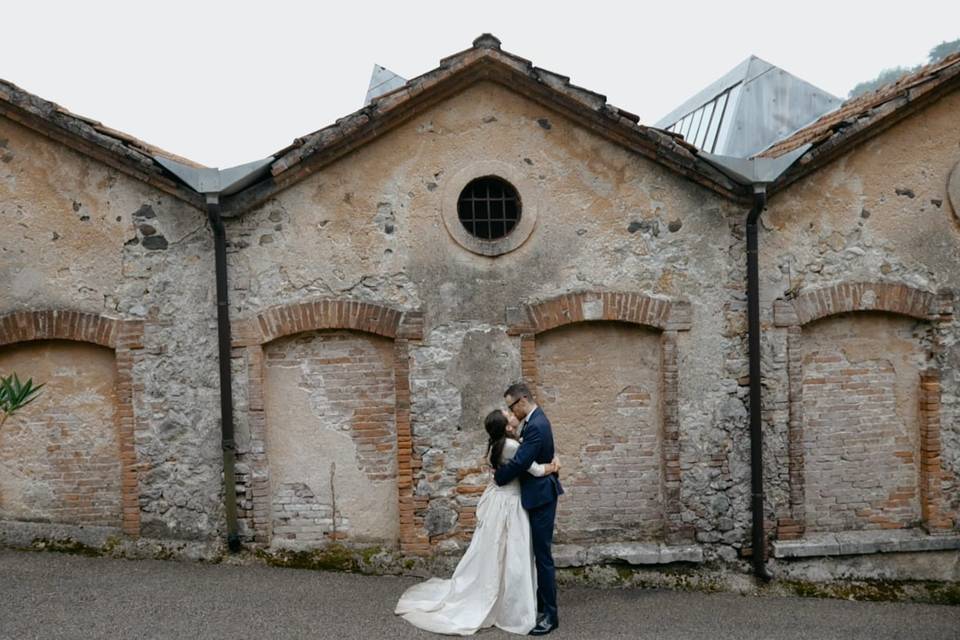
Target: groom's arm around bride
537,446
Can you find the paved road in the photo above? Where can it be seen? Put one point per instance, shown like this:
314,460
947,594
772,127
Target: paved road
48,595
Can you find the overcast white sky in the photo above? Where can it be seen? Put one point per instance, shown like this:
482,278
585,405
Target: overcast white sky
224,83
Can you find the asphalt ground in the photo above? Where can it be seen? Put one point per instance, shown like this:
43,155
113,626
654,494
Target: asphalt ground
51,595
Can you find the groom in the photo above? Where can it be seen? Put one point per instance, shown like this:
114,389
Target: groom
537,495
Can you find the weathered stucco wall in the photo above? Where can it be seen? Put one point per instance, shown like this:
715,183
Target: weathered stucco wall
651,421
83,236
370,227
67,219
879,213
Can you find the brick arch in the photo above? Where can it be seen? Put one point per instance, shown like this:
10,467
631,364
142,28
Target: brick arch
858,296
888,297
667,316
635,308
288,319
53,324
250,335
124,337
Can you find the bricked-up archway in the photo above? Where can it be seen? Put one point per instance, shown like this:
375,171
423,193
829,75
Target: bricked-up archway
124,337
250,335
890,298
668,317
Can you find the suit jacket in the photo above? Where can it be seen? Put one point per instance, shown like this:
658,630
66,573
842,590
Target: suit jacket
537,446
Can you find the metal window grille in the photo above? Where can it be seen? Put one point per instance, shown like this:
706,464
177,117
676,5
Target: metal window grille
489,208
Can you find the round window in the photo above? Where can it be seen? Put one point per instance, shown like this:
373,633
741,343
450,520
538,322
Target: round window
489,208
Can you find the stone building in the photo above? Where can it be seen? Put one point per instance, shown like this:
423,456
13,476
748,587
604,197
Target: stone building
488,221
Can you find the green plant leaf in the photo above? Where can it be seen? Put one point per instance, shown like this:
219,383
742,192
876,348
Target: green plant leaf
15,394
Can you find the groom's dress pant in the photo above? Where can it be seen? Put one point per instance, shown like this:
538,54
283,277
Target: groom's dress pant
541,529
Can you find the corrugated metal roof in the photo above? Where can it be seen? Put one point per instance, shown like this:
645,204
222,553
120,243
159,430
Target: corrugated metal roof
747,109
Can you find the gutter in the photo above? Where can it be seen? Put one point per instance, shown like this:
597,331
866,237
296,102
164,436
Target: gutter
215,184
758,173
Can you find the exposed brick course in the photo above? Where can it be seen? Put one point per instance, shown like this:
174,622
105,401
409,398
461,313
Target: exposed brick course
853,462
860,469
330,432
125,337
600,385
650,456
373,390
931,472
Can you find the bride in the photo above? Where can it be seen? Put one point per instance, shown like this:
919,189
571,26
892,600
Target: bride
495,582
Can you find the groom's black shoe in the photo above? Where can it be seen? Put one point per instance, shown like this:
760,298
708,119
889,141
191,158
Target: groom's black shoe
545,624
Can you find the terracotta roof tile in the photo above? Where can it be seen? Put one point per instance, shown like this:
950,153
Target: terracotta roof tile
92,138
117,142
660,145
864,111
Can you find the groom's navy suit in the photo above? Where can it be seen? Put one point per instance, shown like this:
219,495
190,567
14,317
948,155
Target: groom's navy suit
539,497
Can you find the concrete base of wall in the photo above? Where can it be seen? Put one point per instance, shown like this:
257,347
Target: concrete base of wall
941,566
932,576
634,553
864,542
104,541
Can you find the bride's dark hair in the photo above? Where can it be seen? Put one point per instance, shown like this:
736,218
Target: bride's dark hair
496,425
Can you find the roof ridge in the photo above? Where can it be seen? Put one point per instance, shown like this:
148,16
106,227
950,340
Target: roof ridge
485,46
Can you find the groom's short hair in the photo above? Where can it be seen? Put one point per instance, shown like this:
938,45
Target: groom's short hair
518,390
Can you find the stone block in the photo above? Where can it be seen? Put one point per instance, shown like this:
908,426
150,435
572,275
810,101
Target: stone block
634,553
820,545
685,553
855,544
568,555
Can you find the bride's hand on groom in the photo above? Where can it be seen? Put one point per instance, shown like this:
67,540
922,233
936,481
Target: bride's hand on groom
555,465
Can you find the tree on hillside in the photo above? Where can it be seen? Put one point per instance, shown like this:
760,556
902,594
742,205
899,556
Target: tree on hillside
886,76
944,49
939,52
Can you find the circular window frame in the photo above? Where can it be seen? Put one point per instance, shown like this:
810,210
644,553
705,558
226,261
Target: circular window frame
526,192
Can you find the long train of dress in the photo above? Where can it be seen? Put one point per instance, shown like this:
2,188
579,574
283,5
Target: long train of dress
495,582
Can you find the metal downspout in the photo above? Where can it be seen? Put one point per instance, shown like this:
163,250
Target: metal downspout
228,442
753,339
214,184
758,173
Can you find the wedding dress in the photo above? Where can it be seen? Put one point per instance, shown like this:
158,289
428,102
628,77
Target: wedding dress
495,582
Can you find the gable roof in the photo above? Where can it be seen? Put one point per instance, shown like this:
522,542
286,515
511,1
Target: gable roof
485,60
91,138
863,117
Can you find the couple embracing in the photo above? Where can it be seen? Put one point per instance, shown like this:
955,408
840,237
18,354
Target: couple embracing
506,576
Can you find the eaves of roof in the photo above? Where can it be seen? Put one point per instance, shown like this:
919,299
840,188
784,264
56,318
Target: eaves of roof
91,138
864,117
484,61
